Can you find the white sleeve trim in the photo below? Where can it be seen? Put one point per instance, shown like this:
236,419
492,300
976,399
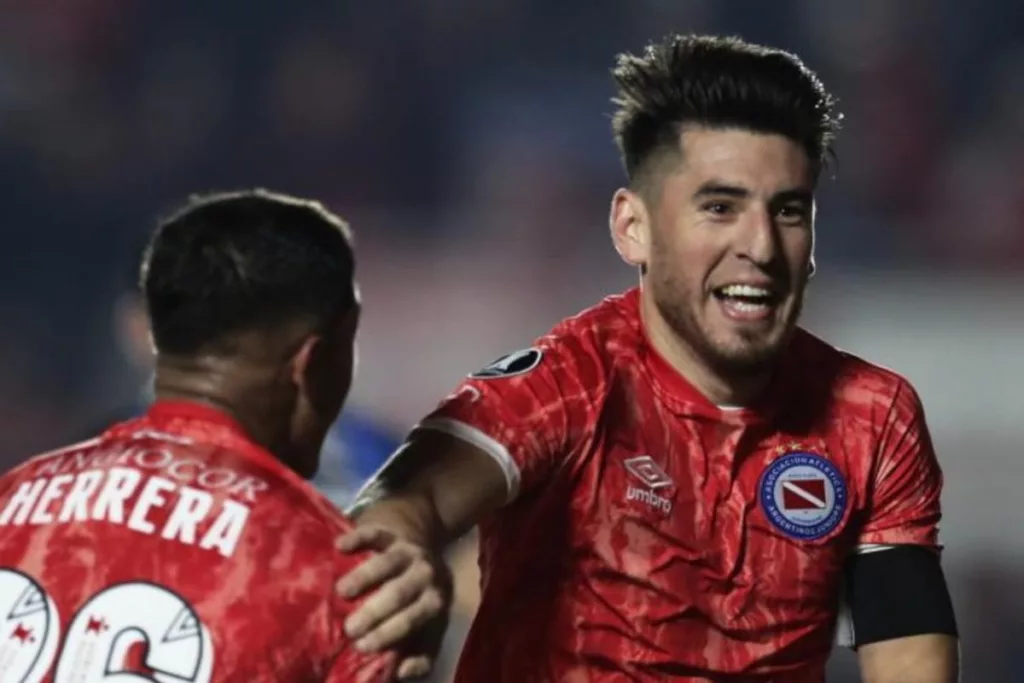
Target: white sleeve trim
865,548
484,442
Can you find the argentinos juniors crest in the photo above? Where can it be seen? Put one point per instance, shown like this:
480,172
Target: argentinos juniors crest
803,493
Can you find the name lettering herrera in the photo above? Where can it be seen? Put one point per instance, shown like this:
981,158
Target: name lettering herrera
149,490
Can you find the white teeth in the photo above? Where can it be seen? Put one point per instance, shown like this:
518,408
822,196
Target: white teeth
747,307
745,290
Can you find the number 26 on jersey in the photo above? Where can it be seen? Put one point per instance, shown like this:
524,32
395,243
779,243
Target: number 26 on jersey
132,632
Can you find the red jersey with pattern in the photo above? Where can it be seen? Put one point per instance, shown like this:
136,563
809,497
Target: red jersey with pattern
651,535
172,548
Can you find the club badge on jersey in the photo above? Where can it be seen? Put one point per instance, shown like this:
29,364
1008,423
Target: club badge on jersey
803,495
511,364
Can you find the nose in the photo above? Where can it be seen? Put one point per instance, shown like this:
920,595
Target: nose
759,238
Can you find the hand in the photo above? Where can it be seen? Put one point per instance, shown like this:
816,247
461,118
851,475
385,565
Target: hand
409,609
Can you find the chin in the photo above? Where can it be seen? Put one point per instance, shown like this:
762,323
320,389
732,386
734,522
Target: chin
750,347
743,364
745,357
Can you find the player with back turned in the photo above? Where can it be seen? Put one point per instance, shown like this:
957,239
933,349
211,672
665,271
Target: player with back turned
679,483
186,544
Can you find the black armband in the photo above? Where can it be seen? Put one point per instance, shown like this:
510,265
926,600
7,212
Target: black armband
898,592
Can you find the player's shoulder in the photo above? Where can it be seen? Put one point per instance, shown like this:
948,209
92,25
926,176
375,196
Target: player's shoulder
293,526
315,524
280,492
312,524
587,345
610,320
849,377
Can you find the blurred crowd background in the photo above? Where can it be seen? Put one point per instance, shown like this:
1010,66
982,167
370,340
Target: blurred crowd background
468,144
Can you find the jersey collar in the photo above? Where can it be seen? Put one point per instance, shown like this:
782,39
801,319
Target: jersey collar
207,424
173,412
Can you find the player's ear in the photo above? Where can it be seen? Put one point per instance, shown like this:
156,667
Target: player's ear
630,227
304,362
323,365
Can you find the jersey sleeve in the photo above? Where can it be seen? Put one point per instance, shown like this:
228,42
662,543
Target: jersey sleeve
904,499
524,410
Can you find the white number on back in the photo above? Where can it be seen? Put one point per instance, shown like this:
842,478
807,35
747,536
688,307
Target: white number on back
29,629
133,632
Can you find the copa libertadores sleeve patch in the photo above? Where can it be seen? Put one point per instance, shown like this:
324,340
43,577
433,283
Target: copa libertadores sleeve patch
511,364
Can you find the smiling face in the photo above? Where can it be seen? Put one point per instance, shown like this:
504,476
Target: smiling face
725,237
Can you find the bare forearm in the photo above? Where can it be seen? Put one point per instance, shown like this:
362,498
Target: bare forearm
915,659
433,491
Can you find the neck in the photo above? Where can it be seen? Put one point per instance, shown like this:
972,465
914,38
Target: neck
241,392
720,388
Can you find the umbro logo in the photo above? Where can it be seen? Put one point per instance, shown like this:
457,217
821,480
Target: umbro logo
647,471
644,469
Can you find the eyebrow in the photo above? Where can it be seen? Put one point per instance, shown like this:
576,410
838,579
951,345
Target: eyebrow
719,189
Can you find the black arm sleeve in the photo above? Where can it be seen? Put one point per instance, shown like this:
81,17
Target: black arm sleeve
898,592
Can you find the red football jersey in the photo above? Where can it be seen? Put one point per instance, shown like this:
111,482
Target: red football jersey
171,548
651,535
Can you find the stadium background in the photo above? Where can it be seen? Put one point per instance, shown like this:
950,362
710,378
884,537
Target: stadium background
468,144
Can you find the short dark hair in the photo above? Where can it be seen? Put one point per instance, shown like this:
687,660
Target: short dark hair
720,82
232,262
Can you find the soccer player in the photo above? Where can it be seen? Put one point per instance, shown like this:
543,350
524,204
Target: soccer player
357,444
186,544
679,483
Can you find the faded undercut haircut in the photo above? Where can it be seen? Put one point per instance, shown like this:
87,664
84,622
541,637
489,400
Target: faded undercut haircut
718,82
